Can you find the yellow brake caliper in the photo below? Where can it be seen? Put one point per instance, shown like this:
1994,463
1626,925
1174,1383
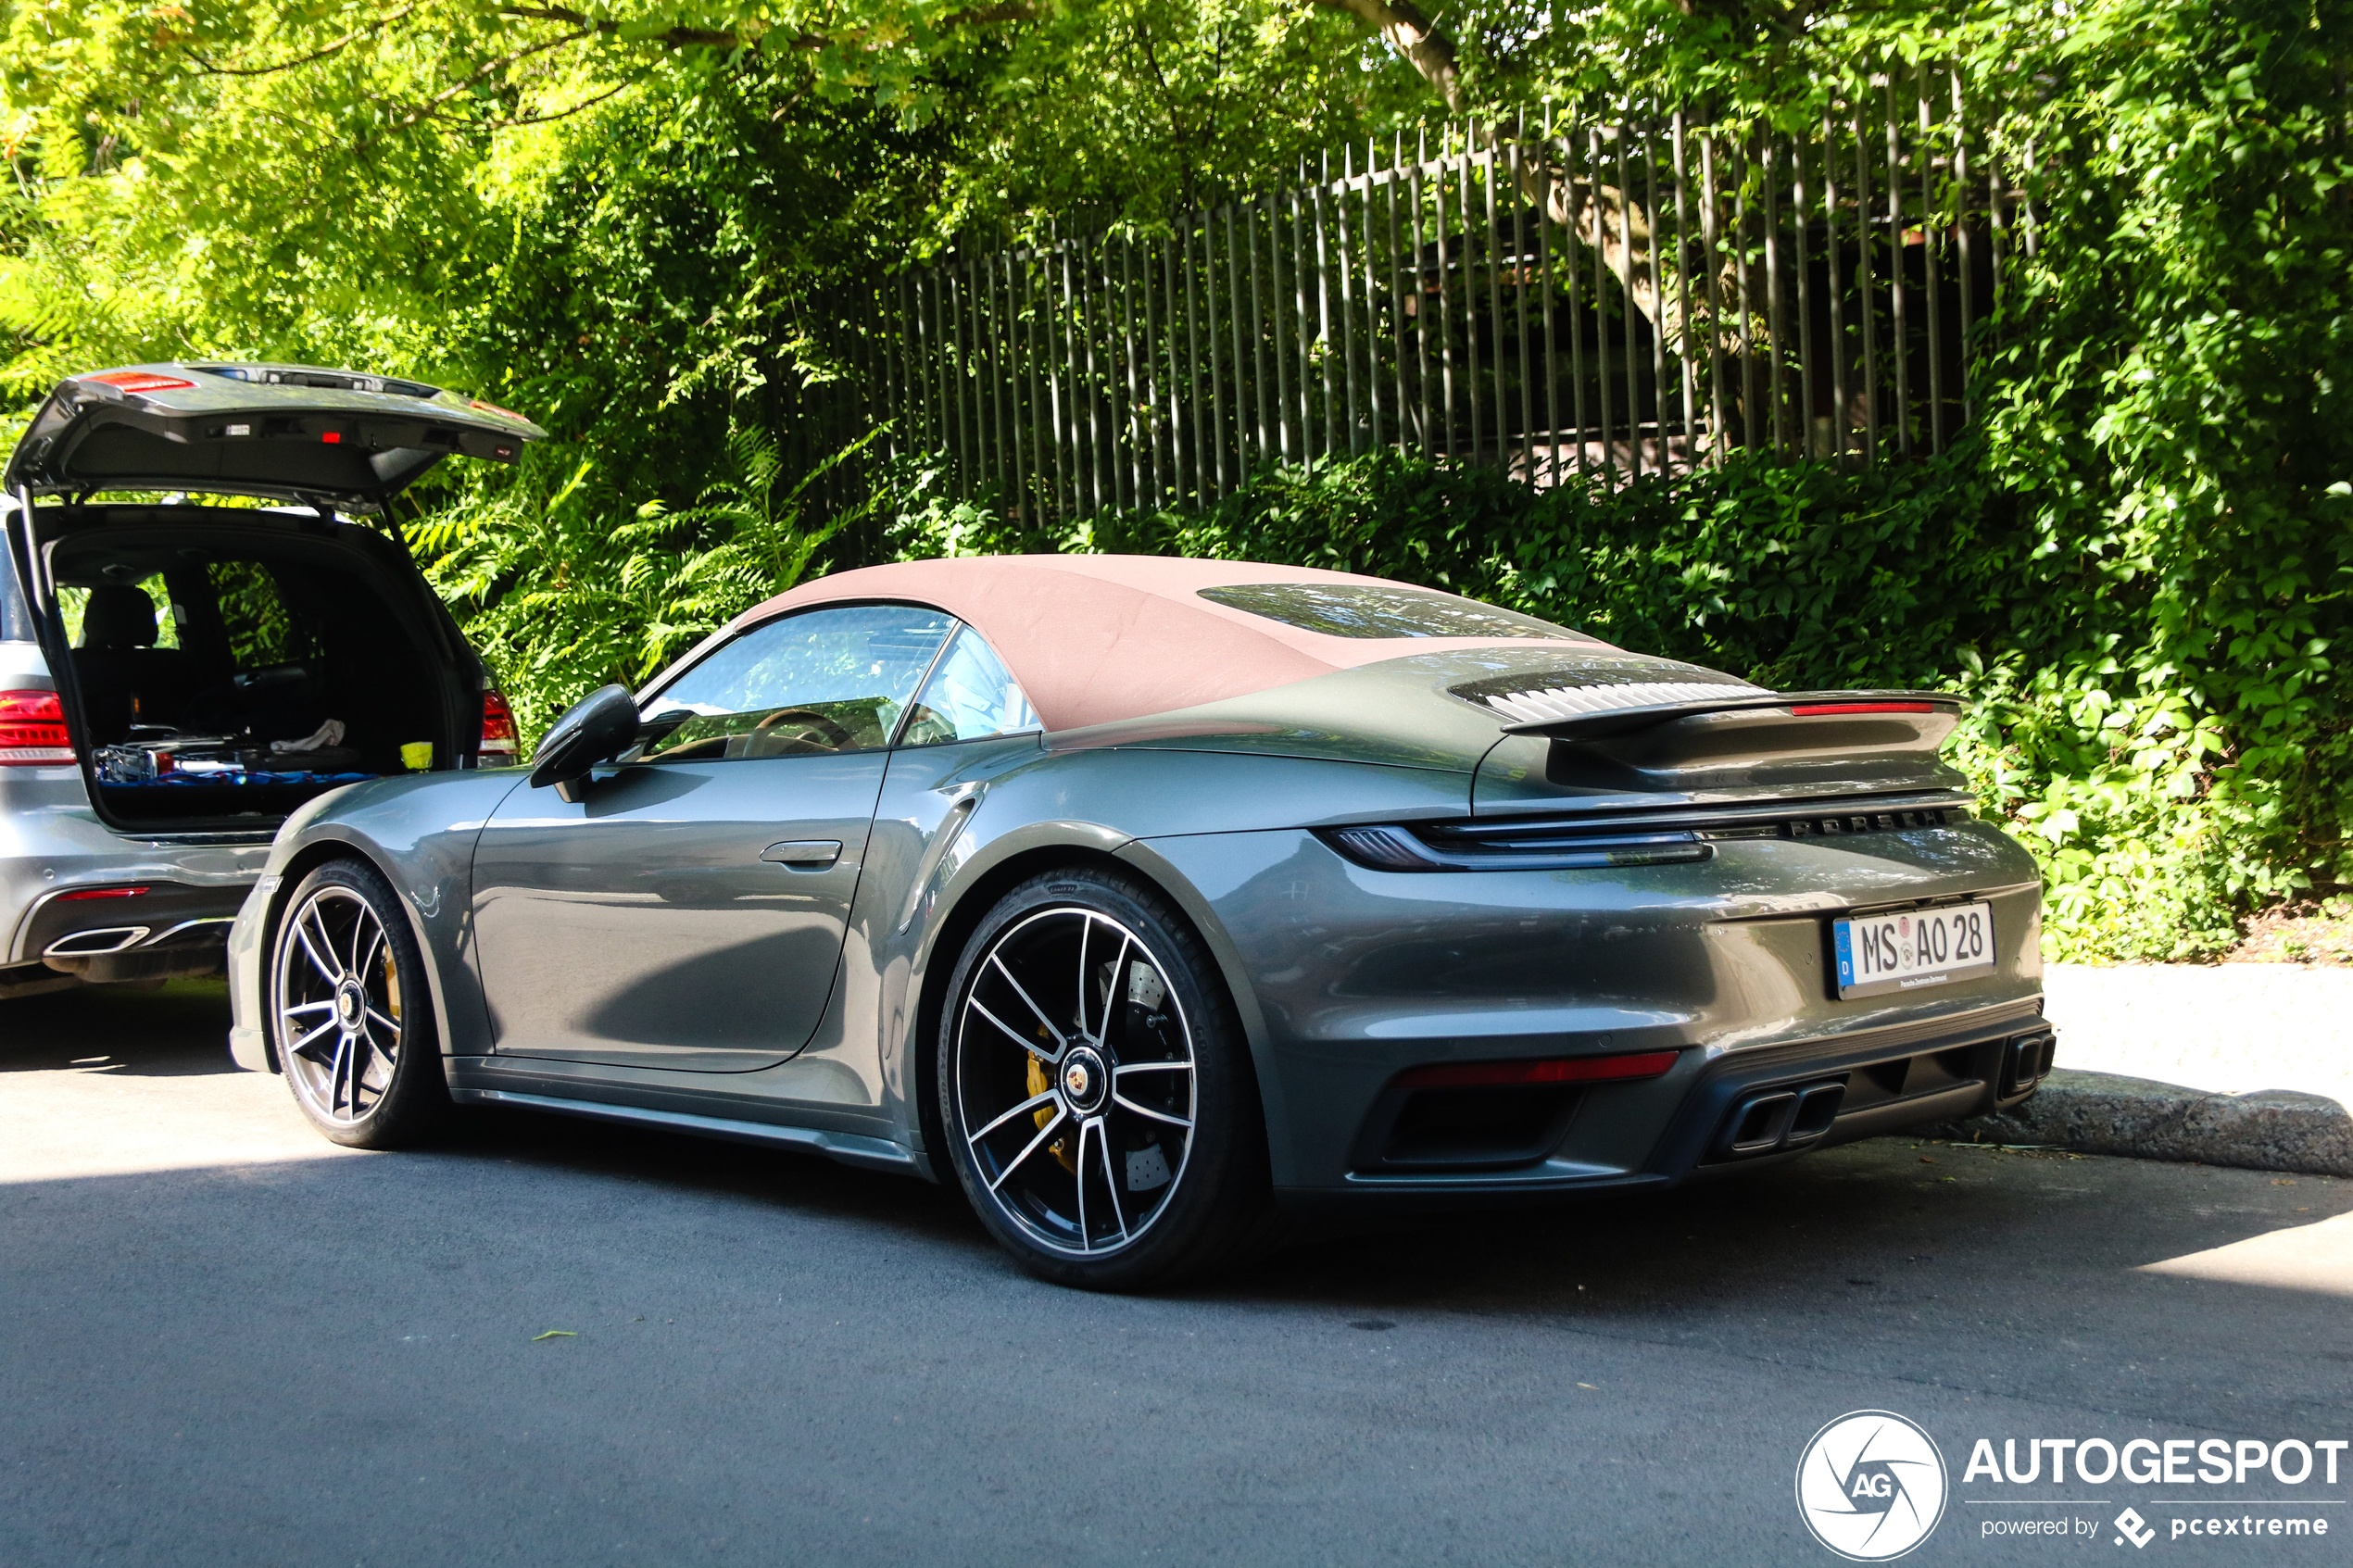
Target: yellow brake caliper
1060,1148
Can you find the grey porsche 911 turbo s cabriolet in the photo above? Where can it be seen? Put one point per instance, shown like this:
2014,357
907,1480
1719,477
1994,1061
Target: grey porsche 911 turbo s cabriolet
1147,899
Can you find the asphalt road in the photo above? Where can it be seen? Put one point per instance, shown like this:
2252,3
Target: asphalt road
223,1341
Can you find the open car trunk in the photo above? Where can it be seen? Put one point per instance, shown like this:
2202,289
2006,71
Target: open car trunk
222,664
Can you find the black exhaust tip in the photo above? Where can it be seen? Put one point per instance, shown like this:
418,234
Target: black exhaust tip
1780,1119
2026,1061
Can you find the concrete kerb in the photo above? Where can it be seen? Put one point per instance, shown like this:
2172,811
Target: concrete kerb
2105,1113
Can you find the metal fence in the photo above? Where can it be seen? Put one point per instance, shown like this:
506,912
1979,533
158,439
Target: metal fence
1604,298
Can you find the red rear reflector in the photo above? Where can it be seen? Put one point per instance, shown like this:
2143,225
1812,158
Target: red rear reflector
1808,710
501,743
141,381
333,437
1566,1070
100,893
32,731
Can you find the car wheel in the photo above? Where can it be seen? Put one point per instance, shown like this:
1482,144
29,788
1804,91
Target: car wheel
349,1012
1096,1090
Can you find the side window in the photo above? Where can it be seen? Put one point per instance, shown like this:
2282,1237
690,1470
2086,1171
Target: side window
969,696
825,680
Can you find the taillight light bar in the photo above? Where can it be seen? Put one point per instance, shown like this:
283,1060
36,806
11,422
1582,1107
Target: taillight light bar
141,381
501,744
32,731
1808,710
81,893
1623,1069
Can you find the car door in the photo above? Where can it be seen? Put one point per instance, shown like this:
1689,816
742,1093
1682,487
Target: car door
688,911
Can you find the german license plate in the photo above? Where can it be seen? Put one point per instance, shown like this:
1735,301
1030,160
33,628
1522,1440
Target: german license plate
1912,950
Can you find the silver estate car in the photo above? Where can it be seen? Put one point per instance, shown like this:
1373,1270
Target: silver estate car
176,677
1151,902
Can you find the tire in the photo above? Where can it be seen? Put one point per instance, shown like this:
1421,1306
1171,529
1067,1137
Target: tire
350,1015
1106,1130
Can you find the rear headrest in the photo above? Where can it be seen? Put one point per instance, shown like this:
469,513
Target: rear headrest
118,616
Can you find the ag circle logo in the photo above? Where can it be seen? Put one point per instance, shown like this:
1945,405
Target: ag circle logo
1871,1485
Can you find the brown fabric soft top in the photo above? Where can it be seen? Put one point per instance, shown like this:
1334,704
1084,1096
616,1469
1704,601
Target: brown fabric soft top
1093,639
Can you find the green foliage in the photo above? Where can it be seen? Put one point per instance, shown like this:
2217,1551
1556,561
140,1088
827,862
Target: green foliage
561,601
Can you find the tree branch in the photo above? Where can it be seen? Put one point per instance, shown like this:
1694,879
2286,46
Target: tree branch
350,38
1413,35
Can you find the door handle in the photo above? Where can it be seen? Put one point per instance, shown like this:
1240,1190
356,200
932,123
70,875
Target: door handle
809,854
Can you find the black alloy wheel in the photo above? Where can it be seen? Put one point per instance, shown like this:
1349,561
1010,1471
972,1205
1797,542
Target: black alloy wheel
1095,1087
349,1014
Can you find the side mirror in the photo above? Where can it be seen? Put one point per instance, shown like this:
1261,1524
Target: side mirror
598,728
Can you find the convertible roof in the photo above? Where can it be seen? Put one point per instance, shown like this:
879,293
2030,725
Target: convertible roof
1094,639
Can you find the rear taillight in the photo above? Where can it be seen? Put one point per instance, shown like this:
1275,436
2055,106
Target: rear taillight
142,381
1620,1069
500,746
32,731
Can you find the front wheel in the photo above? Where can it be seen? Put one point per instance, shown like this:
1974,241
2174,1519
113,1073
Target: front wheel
1095,1087
349,1012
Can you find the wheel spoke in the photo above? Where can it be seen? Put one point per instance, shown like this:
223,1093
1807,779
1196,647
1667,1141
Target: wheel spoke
306,1006
1111,991
1102,1141
1086,1240
1086,929
1060,1041
302,931
390,1027
1123,1101
1031,1104
1023,1041
305,1040
366,929
1124,1068
334,1072
1034,1145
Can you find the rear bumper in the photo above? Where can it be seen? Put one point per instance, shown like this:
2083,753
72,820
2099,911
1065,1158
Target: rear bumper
47,851
1352,978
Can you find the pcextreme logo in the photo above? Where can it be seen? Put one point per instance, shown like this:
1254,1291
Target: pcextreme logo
1871,1485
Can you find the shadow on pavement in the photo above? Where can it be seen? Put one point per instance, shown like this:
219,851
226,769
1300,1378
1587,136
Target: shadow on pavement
174,1030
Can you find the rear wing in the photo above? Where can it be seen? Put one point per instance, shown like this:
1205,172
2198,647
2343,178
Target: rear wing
1604,722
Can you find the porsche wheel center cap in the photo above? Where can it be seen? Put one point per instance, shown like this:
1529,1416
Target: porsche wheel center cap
1086,1079
349,1005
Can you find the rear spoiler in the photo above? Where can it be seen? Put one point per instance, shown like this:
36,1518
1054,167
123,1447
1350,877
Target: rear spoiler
1609,721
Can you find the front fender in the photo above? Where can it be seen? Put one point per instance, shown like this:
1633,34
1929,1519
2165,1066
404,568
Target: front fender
418,832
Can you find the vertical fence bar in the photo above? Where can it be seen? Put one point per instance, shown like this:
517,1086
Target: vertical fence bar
1710,221
1837,291
1967,241
1445,304
1347,297
997,387
1495,305
1577,312
1804,299
1897,325
1628,314
1600,296
1242,378
1274,320
1870,307
1519,279
1930,244
1258,332
1659,294
1134,437
1752,427
1544,262
1217,371
1366,245
1157,474
1300,265
1683,299
1470,302
1324,309
1775,318
1198,428
1397,288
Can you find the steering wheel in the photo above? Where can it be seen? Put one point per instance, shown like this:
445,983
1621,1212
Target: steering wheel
830,735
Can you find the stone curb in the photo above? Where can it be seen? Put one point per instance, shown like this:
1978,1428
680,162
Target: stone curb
2103,1113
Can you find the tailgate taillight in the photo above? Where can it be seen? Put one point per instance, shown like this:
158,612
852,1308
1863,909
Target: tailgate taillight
32,731
501,745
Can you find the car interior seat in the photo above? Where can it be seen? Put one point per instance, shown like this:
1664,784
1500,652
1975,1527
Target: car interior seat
125,679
